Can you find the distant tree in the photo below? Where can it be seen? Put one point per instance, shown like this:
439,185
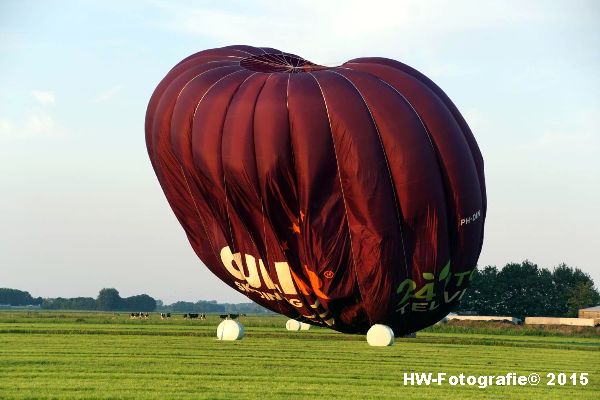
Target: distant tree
183,306
77,303
211,306
582,295
52,304
82,303
141,302
546,293
574,289
482,296
524,289
248,308
15,297
109,300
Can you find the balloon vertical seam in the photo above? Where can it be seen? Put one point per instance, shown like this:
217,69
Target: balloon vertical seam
392,183
223,169
343,195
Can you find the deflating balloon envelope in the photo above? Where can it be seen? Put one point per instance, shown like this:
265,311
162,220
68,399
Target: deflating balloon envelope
341,196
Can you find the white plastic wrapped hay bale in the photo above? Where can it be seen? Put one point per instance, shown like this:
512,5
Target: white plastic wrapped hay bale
230,330
304,326
293,325
380,335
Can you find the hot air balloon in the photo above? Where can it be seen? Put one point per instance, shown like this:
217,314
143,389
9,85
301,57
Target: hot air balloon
342,196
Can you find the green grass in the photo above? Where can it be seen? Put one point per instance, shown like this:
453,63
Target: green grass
50,355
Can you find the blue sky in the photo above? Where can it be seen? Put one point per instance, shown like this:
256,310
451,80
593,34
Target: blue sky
81,208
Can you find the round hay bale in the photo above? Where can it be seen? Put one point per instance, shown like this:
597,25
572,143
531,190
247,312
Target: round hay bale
380,335
293,325
304,326
230,330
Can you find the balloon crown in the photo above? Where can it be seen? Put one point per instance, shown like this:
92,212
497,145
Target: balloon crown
279,62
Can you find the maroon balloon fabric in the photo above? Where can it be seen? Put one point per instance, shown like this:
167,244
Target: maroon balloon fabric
340,196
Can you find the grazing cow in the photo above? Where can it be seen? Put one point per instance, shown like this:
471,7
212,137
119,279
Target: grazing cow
242,315
165,315
229,316
185,316
193,316
203,316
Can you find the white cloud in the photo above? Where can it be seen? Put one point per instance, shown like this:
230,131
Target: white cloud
330,32
40,124
43,97
576,132
36,124
6,127
106,94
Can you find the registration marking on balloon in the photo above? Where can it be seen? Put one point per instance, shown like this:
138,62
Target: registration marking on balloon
472,218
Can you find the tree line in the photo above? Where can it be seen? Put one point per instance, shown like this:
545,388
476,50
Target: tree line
212,306
524,289
15,297
518,290
109,300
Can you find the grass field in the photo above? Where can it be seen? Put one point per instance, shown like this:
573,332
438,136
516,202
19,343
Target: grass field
51,355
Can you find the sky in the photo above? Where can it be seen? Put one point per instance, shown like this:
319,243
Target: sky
81,208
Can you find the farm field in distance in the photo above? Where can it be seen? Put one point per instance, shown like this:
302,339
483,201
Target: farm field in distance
58,354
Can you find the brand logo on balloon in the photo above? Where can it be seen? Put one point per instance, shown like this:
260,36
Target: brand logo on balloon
252,282
283,290
424,297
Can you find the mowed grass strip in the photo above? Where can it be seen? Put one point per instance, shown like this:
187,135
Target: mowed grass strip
158,360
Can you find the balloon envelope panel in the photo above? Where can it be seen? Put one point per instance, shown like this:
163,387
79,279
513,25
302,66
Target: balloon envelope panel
341,196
